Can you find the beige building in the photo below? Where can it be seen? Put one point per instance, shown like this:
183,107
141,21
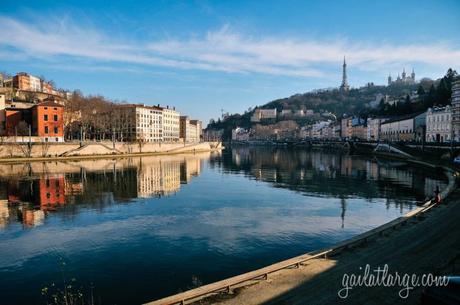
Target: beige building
439,124
263,114
171,124
190,130
138,123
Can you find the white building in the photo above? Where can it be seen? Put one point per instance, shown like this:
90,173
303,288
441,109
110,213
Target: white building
35,83
439,124
171,124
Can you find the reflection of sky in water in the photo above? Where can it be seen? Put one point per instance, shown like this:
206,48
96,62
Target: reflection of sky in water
219,224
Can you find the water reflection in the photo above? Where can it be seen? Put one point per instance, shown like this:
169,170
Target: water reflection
333,174
145,227
29,192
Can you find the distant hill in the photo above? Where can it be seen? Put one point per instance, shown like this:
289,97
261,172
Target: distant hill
354,102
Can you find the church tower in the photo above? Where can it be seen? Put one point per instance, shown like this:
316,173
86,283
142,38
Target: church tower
412,75
344,86
389,79
404,74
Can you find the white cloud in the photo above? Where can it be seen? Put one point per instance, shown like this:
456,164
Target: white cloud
222,50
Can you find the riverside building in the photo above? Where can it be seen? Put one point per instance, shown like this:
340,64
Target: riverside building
439,124
456,109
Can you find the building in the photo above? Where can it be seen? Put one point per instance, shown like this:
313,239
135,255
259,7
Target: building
404,79
439,124
44,120
344,87
48,121
190,130
27,82
373,128
263,114
405,128
346,128
171,124
456,109
199,129
138,122
358,128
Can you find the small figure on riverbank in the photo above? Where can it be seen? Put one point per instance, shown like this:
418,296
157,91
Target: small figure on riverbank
437,195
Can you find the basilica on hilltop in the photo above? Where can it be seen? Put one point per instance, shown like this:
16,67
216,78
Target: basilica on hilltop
403,79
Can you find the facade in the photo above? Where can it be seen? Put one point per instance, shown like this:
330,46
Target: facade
439,124
346,128
199,129
404,79
48,121
138,123
26,82
456,109
171,124
263,114
190,130
344,87
373,128
405,128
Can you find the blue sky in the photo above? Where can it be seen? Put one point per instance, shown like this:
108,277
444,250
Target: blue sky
204,56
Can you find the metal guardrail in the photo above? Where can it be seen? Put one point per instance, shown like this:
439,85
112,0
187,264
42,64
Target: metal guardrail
226,285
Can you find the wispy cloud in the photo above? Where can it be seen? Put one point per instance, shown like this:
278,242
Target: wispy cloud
222,50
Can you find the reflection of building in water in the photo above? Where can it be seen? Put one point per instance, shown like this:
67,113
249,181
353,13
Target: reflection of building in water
50,191
189,168
158,178
32,218
4,212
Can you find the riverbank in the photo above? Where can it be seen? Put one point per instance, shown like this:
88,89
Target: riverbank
14,153
285,281
426,245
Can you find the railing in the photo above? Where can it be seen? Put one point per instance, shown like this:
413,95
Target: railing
259,274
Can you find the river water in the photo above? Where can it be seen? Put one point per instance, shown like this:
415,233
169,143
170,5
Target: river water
133,230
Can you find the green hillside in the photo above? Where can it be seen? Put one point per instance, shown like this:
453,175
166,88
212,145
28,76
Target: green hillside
354,102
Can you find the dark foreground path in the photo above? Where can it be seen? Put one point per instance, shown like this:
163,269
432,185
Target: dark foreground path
429,245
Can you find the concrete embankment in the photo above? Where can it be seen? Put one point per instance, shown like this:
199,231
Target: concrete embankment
10,152
425,240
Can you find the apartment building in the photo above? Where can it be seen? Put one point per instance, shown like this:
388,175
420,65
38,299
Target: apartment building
138,122
171,124
439,124
373,128
190,130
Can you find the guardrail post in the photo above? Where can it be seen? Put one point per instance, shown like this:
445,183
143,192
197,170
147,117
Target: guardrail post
266,276
229,289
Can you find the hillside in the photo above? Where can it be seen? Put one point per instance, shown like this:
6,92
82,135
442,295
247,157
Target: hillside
359,102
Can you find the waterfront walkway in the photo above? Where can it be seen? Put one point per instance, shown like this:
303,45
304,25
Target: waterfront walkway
427,245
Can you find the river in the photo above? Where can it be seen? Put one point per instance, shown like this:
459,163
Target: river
136,229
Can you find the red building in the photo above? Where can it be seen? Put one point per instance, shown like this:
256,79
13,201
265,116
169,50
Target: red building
48,121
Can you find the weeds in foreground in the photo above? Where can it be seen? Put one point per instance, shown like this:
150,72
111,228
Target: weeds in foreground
68,292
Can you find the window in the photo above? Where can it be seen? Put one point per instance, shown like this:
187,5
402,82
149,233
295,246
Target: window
45,117
56,130
55,117
46,129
